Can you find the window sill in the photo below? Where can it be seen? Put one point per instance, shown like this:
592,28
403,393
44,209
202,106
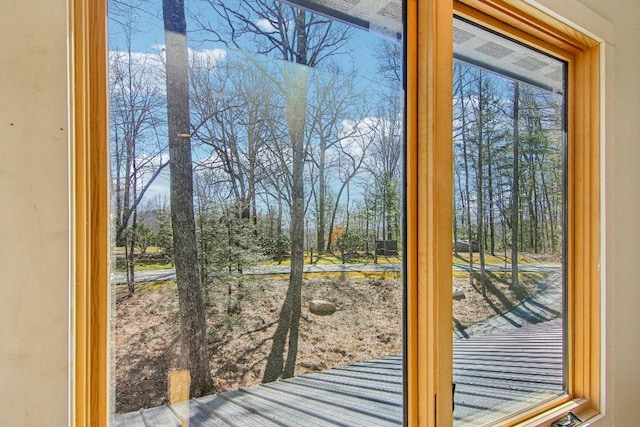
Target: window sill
580,407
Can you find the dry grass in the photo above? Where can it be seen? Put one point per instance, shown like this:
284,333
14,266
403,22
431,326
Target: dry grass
475,308
367,325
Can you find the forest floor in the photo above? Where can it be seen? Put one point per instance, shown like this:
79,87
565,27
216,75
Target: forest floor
241,319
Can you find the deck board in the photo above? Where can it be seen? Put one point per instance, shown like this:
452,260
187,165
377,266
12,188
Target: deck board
160,416
234,412
131,419
495,375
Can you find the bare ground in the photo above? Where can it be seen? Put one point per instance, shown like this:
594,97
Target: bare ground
367,325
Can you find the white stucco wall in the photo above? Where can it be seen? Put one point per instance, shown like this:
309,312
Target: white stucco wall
622,182
34,220
618,23
34,214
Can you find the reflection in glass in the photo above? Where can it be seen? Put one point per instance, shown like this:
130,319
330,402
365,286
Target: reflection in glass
509,226
256,162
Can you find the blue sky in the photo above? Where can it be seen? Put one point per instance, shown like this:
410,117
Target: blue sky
149,34
147,41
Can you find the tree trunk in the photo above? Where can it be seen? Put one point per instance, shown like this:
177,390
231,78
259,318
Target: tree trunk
275,361
467,196
515,190
322,195
279,247
334,213
289,322
480,183
130,255
456,238
193,336
492,225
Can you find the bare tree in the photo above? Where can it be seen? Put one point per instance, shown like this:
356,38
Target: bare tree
508,150
389,56
385,165
136,147
193,333
234,110
335,101
515,190
485,131
303,40
351,159
461,98
481,126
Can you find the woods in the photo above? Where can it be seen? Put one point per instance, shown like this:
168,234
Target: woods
508,176
284,141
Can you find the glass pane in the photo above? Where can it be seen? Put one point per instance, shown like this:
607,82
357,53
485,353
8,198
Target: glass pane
509,226
256,161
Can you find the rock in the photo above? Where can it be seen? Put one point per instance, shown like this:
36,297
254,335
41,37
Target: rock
321,307
465,246
458,294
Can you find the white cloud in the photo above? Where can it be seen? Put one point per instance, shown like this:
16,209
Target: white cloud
148,59
143,68
265,25
149,67
355,136
209,58
155,61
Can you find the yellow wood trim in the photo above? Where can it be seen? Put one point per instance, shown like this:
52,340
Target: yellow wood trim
90,211
584,252
583,237
429,212
465,11
429,195
523,22
554,411
533,21
178,384
414,407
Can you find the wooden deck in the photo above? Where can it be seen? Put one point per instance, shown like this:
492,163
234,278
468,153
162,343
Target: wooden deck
495,375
